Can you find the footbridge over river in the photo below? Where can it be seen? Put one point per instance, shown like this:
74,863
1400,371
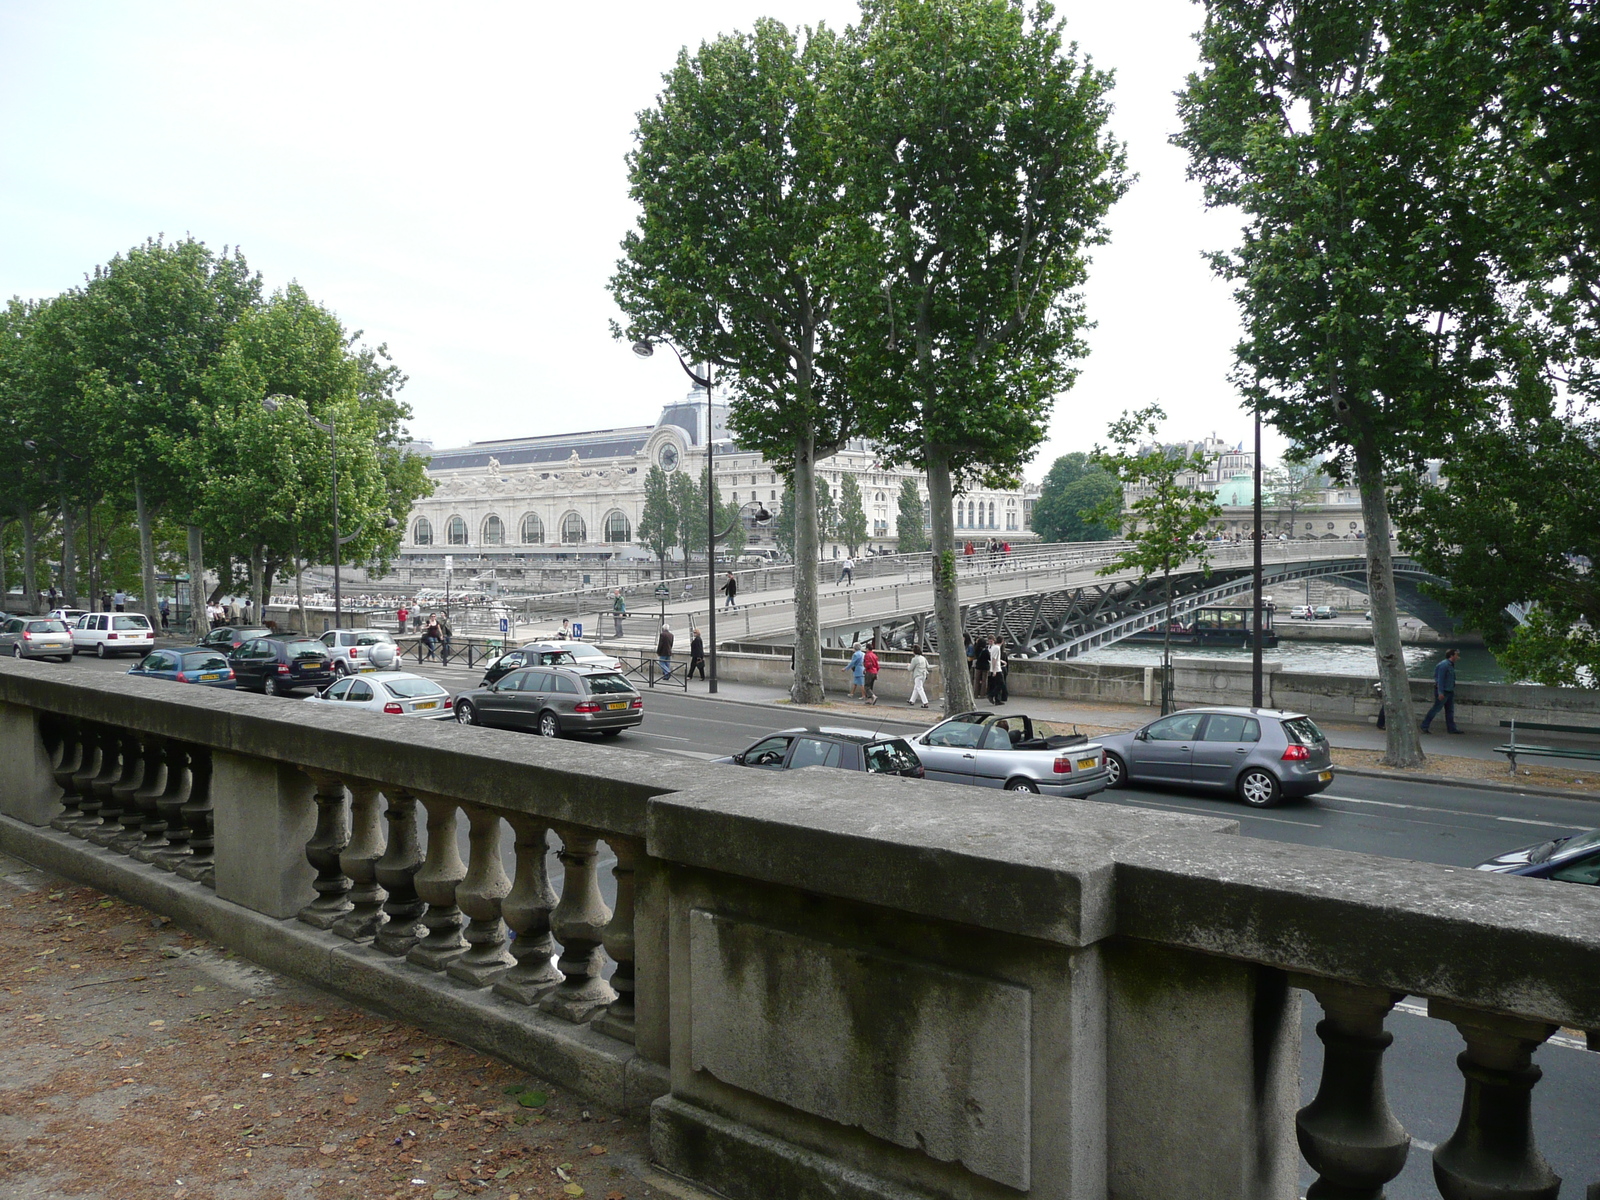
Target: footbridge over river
1051,601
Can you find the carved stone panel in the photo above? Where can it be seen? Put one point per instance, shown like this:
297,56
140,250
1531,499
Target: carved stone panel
919,1055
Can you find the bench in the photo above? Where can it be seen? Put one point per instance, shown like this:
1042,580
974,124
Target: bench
1511,749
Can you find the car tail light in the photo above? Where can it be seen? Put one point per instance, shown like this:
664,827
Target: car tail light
182,678
352,651
918,773
449,702
283,668
26,636
231,675
1296,753
638,703
588,706
393,707
111,637
1063,765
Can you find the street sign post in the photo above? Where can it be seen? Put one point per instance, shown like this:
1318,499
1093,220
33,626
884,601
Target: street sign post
577,630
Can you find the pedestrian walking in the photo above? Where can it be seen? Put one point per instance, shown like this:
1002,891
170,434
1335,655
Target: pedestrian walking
847,571
445,634
857,666
430,635
869,667
619,609
664,650
166,615
119,601
997,672
919,678
1444,693
697,654
400,616
566,630
980,667
730,589
53,598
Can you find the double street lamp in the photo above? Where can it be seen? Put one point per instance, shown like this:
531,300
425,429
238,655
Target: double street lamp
646,348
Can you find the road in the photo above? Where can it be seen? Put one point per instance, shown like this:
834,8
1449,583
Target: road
1430,822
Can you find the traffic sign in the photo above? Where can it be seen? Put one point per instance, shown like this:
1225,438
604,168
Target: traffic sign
662,591
505,624
577,630
449,562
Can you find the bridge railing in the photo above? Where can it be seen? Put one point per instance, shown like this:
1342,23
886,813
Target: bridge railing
903,988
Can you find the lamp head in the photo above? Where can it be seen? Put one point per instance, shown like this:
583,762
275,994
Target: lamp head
643,348
270,403
31,444
762,515
391,523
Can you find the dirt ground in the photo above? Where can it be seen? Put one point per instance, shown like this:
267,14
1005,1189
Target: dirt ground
1495,771
141,1062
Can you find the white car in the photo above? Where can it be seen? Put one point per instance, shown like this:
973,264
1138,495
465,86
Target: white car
108,634
69,615
352,648
398,693
585,654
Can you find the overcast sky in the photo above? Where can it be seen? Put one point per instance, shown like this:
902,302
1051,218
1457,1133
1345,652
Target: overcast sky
450,179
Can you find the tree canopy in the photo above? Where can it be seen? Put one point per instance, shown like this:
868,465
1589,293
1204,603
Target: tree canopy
1075,489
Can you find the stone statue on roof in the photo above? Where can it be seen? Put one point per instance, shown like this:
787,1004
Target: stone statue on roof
494,465
573,460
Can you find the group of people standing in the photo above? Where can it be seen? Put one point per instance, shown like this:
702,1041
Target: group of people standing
995,548
990,659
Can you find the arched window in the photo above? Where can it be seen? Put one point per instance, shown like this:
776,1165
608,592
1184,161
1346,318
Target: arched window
993,524
573,532
972,517
532,530
617,528
422,535
961,516
458,532
494,531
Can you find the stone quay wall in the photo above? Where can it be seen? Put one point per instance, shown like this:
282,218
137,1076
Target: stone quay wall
818,984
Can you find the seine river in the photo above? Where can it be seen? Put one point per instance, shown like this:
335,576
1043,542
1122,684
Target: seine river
1476,664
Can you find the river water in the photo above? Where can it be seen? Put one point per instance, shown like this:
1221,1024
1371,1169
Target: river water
1476,664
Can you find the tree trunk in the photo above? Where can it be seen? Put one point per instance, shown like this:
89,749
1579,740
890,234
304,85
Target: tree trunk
30,562
1403,742
946,597
148,600
1166,646
197,585
258,579
299,590
808,688
69,557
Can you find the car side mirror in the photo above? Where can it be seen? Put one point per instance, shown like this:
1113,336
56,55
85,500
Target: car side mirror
1141,736
739,758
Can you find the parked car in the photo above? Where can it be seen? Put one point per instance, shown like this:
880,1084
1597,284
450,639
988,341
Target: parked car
398,693
229,637
535,654
829,746
352,648
1324,613
36,637
1012,751
108,634
203,665
1571,859
1262,755
277,666
555,701
1302,612
69,615
584,653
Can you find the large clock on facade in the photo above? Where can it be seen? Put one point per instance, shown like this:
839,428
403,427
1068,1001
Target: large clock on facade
667,457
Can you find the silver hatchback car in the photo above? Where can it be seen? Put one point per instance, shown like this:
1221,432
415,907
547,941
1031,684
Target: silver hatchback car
36,637
1261,754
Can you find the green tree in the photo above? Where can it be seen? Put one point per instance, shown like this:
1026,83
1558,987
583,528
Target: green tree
827,515
783,524
852,516
1381,243
658,518
740,255
689,502
911,534
1293,485
1163,522
978,147
1074,486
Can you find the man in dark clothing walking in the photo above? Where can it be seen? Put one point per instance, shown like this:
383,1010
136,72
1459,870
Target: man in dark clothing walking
697,654
730,589
664,650
1444,693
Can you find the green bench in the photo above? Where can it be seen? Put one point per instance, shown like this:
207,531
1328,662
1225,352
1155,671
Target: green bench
1511,749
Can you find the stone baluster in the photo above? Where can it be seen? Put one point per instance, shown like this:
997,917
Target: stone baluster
1492,1152
153,826
97,788
396,871
66,762
327,843
479,894
141,762
115,789
619,942
1347,1134
170,804
527,910
436,883
359,861
579,923
200,863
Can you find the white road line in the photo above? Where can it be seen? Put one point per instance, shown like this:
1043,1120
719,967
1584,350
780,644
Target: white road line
1209,812
1541,824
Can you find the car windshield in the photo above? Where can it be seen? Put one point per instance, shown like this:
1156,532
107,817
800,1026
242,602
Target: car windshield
46,627
206,661
373,638
129,622
1304,730
1578,843
408,688
964,734
891,758
610,684
584,650
306,650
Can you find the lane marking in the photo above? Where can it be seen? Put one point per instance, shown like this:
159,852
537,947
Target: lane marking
1209,812
1413,1009
1541,824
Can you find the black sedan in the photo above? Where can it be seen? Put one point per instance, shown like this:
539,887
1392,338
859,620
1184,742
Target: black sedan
1571,859
829,746
276,666
231,637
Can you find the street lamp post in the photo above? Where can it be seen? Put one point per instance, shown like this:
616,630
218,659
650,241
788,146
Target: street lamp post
1256,634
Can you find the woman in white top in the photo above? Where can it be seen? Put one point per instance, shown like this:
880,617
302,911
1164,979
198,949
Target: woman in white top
919,677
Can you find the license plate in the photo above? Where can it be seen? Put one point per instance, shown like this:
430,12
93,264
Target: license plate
426,704
1088,764
209,678
1325,776
623,704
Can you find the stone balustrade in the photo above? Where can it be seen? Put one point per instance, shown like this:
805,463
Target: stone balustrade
823,984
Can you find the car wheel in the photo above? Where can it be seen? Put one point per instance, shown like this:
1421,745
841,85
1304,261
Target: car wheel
1259,789
269,687
465,713
548,725
100,650
1022,785
1116,771
16,651
339,669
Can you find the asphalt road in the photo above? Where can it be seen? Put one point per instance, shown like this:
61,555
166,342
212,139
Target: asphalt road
1431,822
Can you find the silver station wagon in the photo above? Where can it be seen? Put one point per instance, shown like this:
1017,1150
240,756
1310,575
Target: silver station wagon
555,701
1012,751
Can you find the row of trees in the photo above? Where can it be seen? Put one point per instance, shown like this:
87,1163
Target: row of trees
131,409
845,520
880,232
674,517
